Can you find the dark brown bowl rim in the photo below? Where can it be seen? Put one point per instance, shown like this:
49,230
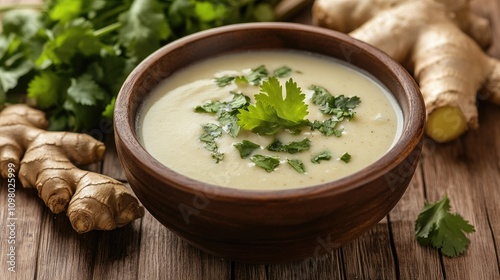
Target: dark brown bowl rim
409,139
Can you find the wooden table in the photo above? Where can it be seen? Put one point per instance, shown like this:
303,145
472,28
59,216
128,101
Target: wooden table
468,170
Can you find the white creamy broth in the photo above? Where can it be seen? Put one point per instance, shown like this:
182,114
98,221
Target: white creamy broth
169,129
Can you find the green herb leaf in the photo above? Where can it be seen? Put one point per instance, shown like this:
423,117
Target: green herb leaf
226,112
271,112
298,165
224,80
144,27
346,157
85,91
437,227
257,75
341,107
48,89
265,162
246,148
282,72
291,148
212,132
327,127
325,155
72,39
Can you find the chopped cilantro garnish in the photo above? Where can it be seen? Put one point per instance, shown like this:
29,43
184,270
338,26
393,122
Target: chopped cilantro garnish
224,80
211,132
341,107
346,157
291,148
297,165
257,75
265,162
271,112
282,72
226,112
246,148
445,231
325,155
328,127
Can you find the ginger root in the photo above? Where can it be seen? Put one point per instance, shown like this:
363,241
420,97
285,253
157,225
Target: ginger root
440,41
91,200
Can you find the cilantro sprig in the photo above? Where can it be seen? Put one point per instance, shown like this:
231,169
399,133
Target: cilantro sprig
272,112
437,227
72,56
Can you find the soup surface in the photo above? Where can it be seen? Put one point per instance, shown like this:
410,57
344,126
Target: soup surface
170,129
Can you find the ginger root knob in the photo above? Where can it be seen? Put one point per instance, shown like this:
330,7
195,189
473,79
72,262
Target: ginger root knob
47,161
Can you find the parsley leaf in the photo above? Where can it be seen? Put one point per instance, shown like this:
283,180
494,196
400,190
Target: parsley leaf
437,227
325,155
291,148
246,148
271,112
297,165
265,162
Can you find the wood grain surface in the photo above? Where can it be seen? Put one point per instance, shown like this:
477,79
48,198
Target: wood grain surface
467,170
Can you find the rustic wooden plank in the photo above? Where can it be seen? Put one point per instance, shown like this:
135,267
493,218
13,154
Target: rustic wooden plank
166,256
370,255
449,170
25,236
489,165
414,261
329,266
242,271
111,163
64,254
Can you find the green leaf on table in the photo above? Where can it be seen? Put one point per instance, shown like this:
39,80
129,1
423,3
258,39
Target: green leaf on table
437,227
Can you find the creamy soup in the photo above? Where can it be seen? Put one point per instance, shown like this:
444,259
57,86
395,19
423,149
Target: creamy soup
170,129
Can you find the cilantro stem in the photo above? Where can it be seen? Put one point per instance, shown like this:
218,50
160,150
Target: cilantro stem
107,29
6,8
110,14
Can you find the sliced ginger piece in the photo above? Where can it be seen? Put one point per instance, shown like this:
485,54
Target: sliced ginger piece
445,124
47,161
430,38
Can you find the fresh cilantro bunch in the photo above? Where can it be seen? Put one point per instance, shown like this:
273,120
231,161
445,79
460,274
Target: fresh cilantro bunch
437,227
72,56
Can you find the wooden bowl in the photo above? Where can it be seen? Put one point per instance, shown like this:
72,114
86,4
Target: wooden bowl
269,226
